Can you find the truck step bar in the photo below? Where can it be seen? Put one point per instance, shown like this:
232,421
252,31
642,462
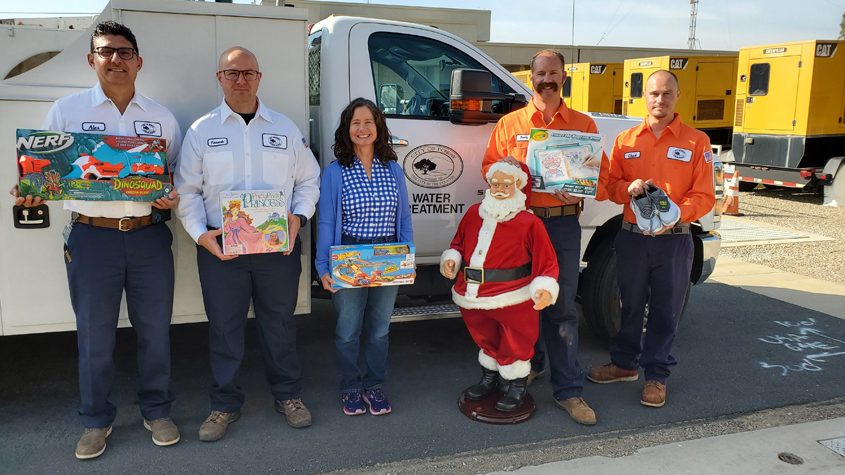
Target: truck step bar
425,312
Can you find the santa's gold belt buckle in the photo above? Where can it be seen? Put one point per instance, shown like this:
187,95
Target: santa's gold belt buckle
474,275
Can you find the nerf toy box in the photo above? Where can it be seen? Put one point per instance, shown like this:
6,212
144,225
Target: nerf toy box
564,160
372,265
94,167
254,222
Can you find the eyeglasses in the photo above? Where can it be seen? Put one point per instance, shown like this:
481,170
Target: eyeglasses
234,74
106,52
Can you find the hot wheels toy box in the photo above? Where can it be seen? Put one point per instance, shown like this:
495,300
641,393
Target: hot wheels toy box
372,265
82,166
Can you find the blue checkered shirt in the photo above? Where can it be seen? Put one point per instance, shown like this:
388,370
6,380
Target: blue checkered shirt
369,206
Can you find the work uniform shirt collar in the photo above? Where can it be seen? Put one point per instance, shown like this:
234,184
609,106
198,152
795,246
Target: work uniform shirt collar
674,126
536,115
99,98
226,112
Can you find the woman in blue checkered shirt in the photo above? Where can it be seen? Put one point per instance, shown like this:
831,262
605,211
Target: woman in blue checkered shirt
363,200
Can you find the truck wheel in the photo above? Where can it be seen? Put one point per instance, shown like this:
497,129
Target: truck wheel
600,298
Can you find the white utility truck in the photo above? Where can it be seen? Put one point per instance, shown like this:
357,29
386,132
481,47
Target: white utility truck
439,134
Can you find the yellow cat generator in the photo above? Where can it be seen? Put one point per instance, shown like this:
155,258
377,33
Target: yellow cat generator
707,91
789,126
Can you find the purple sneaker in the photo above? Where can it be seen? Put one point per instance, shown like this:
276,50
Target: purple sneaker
375,398
352,403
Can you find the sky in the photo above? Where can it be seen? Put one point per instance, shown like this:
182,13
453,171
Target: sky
721,25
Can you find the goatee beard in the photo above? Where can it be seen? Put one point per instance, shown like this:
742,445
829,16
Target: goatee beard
502,210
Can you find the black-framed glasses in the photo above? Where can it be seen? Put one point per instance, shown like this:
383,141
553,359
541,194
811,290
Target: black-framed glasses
106,52
234,74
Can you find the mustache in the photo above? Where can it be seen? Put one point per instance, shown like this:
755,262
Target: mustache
547,85
498,194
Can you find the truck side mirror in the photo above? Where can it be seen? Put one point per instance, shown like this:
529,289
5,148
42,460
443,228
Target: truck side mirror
472,100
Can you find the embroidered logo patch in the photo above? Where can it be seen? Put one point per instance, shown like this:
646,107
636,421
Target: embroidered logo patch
680,154
93,127
708,157
148,129
274,141
217,141
630,155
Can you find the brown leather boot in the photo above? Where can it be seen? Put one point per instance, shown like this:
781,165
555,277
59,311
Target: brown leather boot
654,394
610,373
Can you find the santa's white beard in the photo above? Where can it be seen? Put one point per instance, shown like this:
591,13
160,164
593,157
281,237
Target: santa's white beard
502,210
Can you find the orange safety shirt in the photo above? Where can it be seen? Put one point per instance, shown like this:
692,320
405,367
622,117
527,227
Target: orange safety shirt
680,162
510,138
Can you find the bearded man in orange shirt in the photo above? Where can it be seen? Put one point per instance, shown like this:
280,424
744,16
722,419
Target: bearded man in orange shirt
559,212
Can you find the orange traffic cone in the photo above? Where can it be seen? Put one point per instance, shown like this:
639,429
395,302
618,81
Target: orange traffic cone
730,202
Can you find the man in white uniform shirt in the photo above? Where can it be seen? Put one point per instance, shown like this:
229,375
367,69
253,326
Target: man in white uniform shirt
243,145
119,245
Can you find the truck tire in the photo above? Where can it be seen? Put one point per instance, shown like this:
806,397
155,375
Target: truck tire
600,297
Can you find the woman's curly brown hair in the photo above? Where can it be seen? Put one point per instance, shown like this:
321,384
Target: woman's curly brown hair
343,148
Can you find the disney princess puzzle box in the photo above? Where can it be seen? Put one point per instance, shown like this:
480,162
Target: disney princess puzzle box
254,222
372,265
564,160
84,166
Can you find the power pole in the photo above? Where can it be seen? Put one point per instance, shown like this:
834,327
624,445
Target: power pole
693,15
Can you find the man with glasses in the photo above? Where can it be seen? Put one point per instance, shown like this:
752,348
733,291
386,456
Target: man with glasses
117,246
244,145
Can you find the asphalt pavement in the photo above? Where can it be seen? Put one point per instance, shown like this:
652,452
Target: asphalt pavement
739,353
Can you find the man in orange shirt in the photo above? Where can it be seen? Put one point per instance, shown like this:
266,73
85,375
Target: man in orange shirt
559,212
654,269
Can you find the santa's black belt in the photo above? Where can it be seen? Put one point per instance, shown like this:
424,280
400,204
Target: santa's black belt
480,275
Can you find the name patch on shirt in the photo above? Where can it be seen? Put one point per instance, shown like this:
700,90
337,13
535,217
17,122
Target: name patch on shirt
630,155
93,127
217,141
680,154
144,128
274,141
708,157
522,138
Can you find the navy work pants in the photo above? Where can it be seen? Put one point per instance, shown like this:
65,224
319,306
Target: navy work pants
653,271
271,282
101,264
559,322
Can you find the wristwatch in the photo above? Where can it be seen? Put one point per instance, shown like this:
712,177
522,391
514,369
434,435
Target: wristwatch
302,220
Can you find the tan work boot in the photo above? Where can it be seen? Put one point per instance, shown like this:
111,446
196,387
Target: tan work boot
215,425
92,444
578,410
296,414
610,373
654,394
164,431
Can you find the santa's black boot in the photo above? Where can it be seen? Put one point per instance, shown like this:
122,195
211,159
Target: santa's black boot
513,398
489,383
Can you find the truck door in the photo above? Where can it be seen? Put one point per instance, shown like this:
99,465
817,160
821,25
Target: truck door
772,89
407,72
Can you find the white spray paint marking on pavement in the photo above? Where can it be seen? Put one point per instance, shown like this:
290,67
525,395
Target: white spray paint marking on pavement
808,343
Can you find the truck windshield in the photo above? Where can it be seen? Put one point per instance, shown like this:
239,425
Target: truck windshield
412,74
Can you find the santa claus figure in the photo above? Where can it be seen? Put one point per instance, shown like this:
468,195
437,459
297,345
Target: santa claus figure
506,273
